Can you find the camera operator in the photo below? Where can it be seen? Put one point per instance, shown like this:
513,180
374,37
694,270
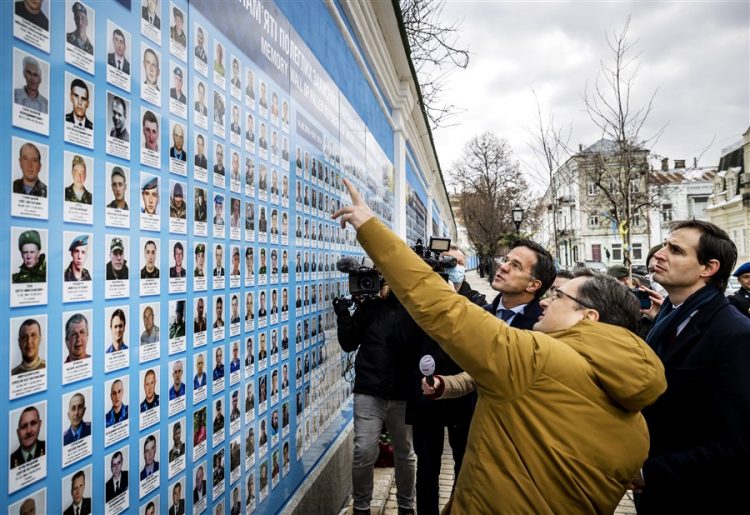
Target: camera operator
427,417
379,394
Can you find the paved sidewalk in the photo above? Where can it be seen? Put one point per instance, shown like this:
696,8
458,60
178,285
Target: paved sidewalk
384,492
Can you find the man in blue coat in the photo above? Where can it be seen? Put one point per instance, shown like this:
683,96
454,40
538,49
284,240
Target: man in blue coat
78,428
699,459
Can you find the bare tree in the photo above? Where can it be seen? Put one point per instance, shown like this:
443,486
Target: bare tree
620,174
490,184
435,52
549,142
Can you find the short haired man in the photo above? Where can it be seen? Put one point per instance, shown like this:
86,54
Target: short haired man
178,387
150,270
177,150
218,423
151,399
200,157
177,252
218,372
119,411
76,338
150,13
117,58
29,342
30,447
119,185
119,120
77,191
150,332
150,126
79,99
78,427
176,31
199,491
151,69
76,270
199,380
177,205
700,429
178,503
219,166
30,96
200,49
178,446
30,163
741,298
150,196
118,483
234,316
177,325
79,38
33,267
218,261
151,464
117,324
200,260
176,92
31,11
531,383
79,505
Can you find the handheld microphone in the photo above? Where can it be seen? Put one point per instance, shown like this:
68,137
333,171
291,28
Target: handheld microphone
427,367
347,264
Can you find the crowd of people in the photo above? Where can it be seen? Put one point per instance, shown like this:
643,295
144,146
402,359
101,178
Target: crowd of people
562,392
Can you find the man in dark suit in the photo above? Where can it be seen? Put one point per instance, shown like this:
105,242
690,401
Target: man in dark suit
79,99
741,298
178,503
200,157
699,428
117,58
199,492
81,505
118,483
150,14
151,466
30,447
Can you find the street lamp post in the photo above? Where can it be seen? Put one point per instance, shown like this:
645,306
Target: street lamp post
518,217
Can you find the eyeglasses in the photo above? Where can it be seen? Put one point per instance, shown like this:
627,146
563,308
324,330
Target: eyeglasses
555,293
515,265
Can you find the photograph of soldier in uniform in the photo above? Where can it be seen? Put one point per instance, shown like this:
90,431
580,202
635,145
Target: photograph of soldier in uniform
200,260
33,11
29,187
27,425
32,94
219,210
117,266
200,45
77,192
118,108
200,208
79,37
80,98
177,206
31,346
199,321
177,31
178,252
175,92
150,195
78,428
118,57
219,164
117,395
149,395
76,270
150,255
178,386
200,159
119,185
177,324
33,267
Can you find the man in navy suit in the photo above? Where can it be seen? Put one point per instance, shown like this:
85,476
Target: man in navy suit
118,483
78,428
699,428
117,58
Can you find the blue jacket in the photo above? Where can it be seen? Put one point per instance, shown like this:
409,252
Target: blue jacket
110,419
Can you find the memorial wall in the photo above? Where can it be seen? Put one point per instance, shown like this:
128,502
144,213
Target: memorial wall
170,168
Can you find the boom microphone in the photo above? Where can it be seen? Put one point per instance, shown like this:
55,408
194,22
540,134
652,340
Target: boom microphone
427,367
348,264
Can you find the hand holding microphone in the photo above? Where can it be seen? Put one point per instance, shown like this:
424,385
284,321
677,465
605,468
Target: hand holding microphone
427,367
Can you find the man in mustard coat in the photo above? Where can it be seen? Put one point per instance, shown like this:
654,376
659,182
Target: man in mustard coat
557,426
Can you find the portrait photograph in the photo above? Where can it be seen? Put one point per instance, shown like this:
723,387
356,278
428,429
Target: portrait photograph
34,502
219,170
200,212
28,355
27,445
117,196
119,56
177,89
149,331
177,386
219,65
235,79
117,481
177,447
28,267
177,497
199,321
177,32
200,433
79,111
31,23
29,165
118,126
148,464
151,15
117,343
76,492
200,377
176,326
77,349
200,499
177,148
151,74
150,139
77,440
117,409
200,160
149,397
219,117
77,261
199,268
150,202
80,34
200,51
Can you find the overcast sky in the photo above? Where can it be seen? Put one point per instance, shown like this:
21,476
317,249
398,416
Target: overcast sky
696,53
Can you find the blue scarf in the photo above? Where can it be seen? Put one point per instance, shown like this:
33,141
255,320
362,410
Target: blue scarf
669,318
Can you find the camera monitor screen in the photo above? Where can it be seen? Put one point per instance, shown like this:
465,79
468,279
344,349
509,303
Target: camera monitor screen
440,244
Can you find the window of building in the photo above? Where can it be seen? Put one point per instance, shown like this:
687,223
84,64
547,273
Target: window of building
592,187
666,212
617,252
593,220
697,206
635,185
637,251
636,220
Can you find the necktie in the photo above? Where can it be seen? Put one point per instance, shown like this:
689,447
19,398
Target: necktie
78,510
506,314
119,64
117,486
